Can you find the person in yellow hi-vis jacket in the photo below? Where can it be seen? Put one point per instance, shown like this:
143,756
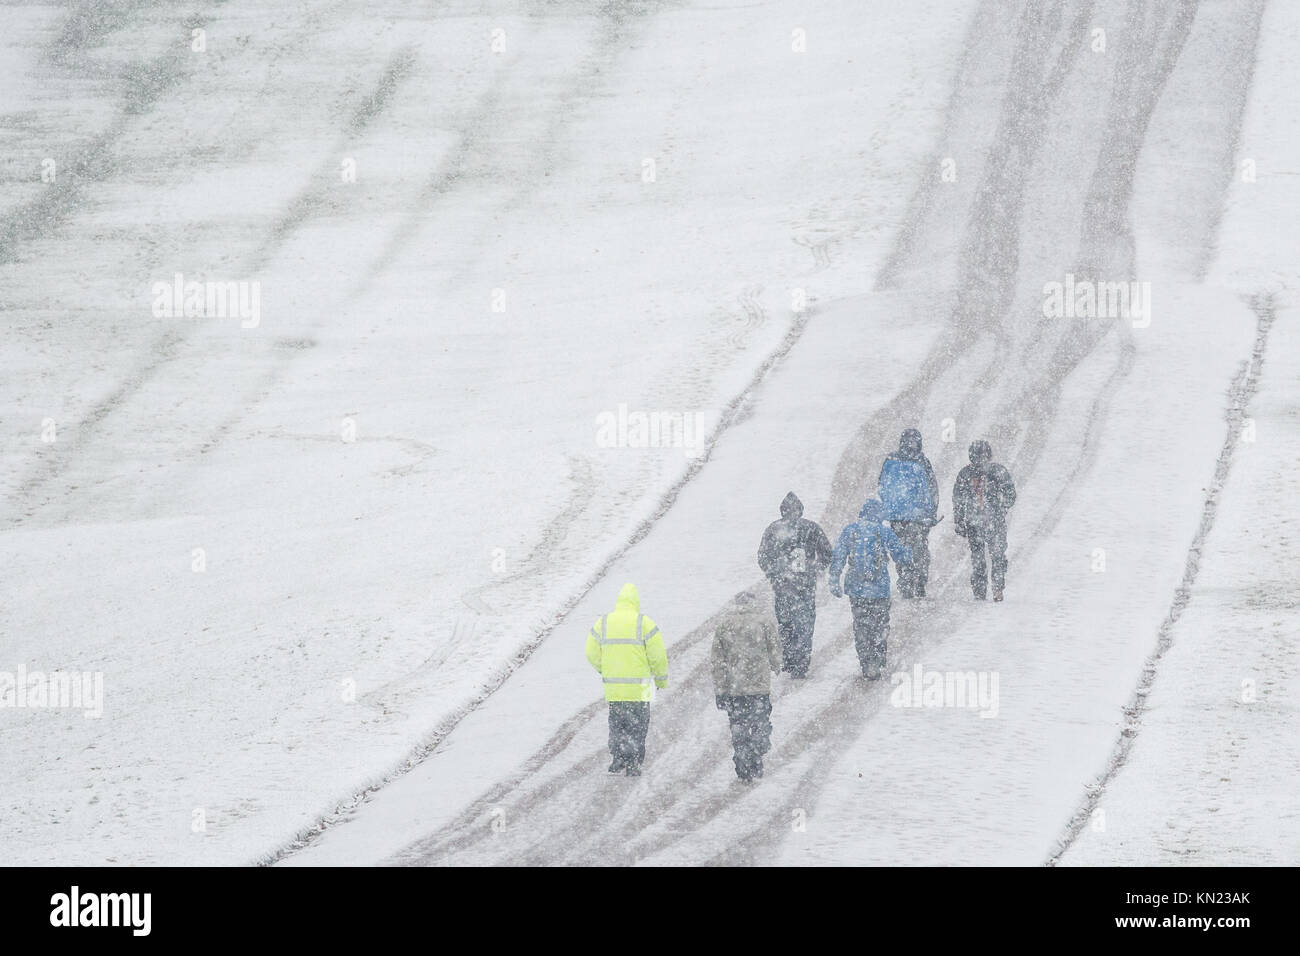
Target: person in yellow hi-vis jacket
627,649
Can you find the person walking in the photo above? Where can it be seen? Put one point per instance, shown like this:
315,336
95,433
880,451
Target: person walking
981,498
866,547
793,553
910,494
627,650
746,650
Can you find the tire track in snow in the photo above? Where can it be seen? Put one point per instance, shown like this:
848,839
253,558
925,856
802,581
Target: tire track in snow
323,184
141,82
615,24
1240,395
144,83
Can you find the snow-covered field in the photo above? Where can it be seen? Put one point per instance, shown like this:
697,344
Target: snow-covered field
336,562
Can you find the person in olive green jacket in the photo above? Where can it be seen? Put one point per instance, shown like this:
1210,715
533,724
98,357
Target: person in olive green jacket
628,652
746,651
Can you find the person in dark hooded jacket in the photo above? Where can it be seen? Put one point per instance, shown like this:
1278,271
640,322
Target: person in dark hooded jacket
981,498
910,494
866,547
793,552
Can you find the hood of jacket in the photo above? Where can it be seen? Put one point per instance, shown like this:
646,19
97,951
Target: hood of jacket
873,511
909,445
629,597
791,506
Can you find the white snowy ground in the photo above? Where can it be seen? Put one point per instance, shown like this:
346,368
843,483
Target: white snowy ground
1124,466
1210,777
474,505
373,561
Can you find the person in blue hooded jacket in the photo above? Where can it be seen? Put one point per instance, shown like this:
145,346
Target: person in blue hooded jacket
910,494
866,547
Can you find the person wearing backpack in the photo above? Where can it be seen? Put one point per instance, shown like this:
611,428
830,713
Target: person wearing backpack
866,546
793,552
746,650
910,494
981,498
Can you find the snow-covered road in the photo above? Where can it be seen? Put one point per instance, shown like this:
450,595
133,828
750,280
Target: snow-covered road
299,551
1056,164
337,565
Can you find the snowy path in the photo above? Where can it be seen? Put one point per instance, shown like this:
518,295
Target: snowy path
283,617
385,633
1212,719
1203,774
1048,137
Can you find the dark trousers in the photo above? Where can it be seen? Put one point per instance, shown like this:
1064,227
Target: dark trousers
870,627
913,578
629,721
990,540
751,732
796,615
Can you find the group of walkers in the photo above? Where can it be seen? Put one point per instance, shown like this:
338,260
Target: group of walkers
627,649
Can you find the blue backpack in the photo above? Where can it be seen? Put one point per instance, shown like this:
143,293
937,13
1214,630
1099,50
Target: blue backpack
904,491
